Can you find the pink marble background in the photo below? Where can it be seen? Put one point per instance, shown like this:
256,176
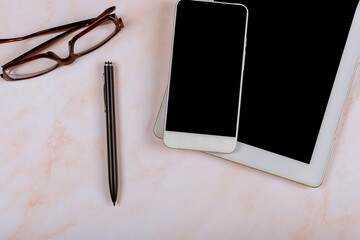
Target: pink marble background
53,172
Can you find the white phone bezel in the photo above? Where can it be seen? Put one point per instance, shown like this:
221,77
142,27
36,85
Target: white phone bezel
204,142
309,174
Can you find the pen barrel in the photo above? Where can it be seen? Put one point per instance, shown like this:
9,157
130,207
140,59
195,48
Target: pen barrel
111,129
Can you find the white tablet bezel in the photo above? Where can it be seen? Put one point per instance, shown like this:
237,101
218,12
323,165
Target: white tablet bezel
309,174
205,142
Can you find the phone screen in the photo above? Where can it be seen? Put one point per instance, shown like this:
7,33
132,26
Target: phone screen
292,56
206,70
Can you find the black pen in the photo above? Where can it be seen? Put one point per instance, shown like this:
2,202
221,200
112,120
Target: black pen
109,99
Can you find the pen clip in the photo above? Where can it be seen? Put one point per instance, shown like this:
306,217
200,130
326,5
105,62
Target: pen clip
104,90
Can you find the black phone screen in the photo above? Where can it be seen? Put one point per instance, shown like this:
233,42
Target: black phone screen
292,56
206,71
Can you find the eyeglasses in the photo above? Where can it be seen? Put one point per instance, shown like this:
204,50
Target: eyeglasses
33,63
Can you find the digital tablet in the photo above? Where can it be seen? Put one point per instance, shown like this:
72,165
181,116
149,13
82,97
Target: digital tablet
300,60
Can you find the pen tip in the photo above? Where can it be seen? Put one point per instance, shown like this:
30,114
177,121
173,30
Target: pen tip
114,203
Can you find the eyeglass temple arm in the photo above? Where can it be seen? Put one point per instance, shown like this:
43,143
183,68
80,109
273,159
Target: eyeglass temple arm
52,30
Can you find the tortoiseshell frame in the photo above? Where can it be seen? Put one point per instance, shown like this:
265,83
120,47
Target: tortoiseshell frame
32,55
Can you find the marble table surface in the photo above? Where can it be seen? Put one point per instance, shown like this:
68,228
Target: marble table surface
53,165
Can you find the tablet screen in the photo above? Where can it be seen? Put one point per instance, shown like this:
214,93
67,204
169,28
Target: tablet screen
293,52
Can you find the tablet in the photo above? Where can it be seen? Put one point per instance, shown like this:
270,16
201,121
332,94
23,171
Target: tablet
300,60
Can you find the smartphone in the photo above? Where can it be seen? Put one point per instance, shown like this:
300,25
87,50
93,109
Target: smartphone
208,58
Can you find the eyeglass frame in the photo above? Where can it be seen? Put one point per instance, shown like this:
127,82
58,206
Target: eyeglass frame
29,55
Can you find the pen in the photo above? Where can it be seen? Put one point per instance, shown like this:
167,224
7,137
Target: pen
109,99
